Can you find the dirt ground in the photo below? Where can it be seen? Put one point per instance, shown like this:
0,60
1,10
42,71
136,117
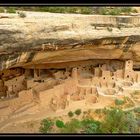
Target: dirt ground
26,127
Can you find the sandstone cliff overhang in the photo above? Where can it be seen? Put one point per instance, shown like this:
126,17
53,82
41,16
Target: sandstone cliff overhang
53,38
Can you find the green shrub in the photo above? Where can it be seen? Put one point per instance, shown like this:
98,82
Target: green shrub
1,10
59,124
86,126
73,126
22,14
109,11
118,121
61,9
115,10
126,9
70,114
135,11
131,122
90,126
137,110
119,102
46,126
98,111
78,112
74,9
109,29
105,111
11,10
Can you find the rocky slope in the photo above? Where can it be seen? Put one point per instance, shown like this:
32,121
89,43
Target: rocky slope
67,37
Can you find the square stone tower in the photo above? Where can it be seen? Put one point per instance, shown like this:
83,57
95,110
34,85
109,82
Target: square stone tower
128,69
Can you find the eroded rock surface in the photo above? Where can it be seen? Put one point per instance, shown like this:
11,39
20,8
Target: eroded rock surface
67,37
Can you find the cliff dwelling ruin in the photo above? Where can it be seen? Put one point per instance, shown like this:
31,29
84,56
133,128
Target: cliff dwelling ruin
56,63
64,84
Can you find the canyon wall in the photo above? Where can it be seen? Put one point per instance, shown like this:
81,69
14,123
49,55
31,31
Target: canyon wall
55,38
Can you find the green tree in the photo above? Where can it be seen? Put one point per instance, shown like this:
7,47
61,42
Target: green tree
72,126
70,114
91,126
46,126
59,123
118,121
78,111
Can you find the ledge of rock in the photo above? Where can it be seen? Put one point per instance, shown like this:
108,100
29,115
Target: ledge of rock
53,38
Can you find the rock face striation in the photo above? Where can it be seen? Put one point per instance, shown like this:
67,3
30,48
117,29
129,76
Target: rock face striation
68,37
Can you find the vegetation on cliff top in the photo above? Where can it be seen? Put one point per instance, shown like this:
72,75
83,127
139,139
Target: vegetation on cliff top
79,10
